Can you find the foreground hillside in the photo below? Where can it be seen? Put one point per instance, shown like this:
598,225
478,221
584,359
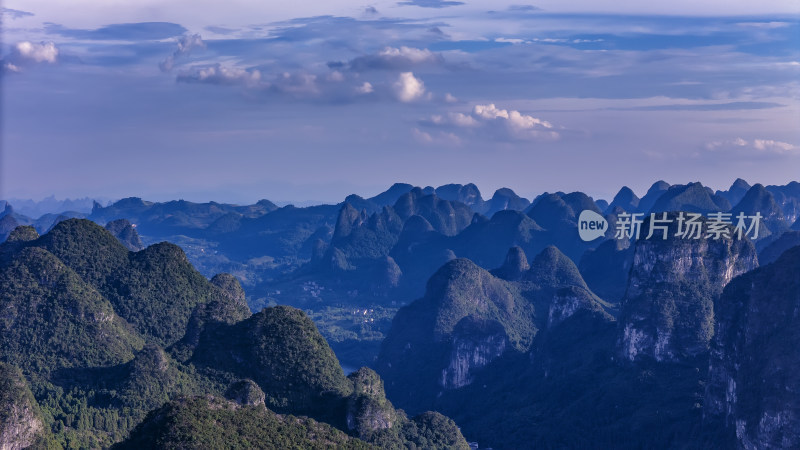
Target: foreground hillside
100,345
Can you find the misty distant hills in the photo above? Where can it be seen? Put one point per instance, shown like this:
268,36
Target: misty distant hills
405,233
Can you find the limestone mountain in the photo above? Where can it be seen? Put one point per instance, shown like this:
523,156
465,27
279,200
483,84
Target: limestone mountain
281,350
296,371
469,318
54,319
445,216
668,309
626,200
123,230
502,200
87,322
515,265
390,196
211,422
605,268
692,197
755,358
468,194
736,192
652,195
788,197
21,422
759,200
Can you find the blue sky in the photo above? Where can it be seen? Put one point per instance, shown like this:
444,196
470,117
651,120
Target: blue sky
243,100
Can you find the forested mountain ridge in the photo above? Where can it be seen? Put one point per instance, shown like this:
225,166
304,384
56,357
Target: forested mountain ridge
101,336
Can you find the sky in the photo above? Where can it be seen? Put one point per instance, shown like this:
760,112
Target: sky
293,101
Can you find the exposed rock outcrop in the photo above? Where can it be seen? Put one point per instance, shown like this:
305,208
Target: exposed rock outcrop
668,309
755,359
123,230
21,424
475,343
245,393
515,265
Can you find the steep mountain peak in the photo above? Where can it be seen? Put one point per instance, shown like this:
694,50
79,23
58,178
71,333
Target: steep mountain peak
656,190
281,349
227,308
505,198
126,233
739,185
461,288
692,197
86,247
349,219
131,202
553,268
759,199
579,201
446,216
264,203
625,199
514,266
390,196
23,233
230,286
551,211
469,194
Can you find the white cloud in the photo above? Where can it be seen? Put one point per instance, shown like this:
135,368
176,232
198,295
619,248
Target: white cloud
422,136
408,88
43,52
365,88
441,137
767,25
10,67
301,84
496,123
449,98
772,146
415,55
752,147
514,119
186,44
219,74
395,58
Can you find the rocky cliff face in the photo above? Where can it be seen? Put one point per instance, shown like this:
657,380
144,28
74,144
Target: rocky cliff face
21,424
368,410
123,230
475,343
514,266
755,359
668,310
